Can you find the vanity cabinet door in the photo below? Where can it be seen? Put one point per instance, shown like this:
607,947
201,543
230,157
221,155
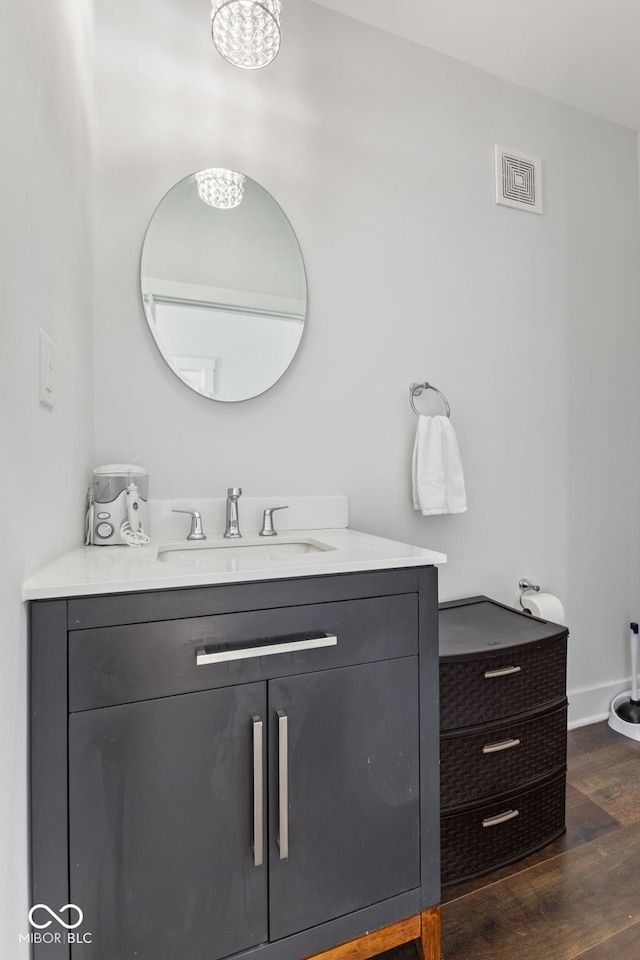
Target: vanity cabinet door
344,755
162,820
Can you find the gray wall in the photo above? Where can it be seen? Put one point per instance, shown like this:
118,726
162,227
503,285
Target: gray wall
45,281
381,154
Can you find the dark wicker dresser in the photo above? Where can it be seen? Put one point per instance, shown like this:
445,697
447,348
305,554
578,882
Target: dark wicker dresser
503,735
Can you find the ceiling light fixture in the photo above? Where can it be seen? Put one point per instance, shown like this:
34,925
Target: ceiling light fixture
246,32
220,188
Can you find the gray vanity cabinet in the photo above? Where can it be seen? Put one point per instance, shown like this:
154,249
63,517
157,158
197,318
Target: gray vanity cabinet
199,802
354,823
160,826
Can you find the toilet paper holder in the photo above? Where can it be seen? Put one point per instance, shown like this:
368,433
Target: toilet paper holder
545,606
527,585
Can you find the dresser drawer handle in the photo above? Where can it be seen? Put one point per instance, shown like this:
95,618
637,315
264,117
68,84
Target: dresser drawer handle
267,650
502,672
500,818
501,745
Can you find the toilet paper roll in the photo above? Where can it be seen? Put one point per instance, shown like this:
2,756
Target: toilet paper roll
544,605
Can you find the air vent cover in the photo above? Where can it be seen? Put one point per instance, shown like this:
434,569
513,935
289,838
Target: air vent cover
518,180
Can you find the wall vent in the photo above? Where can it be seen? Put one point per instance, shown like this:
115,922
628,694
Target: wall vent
518,180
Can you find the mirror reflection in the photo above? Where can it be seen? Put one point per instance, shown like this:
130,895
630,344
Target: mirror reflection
223,285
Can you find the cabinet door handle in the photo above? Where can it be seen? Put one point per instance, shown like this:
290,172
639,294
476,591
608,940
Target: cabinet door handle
500,818
283,784
245,653
501,745
502,672
258,793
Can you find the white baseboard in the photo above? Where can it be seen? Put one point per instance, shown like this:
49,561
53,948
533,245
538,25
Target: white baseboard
591,704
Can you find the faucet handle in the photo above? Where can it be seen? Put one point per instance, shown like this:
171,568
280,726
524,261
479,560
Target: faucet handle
267,521
196,532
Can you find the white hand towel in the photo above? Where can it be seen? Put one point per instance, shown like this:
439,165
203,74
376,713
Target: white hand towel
438,480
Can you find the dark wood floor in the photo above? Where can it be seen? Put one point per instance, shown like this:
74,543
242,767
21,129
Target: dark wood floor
577,898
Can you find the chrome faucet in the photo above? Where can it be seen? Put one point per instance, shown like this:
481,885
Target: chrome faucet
268,529
196,532
233,522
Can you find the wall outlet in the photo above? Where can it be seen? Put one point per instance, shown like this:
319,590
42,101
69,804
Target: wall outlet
47,371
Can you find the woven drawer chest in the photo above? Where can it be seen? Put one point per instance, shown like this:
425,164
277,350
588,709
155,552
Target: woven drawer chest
503,735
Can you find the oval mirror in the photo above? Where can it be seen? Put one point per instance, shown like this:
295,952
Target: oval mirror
223,285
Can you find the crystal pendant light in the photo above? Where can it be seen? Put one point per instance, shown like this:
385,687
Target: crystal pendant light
246,32
220,188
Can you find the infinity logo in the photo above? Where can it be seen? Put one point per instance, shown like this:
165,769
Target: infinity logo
67,906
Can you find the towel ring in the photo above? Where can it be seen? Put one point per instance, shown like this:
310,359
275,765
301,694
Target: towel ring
415,389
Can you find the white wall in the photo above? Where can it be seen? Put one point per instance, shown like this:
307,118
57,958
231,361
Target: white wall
45,281
381,153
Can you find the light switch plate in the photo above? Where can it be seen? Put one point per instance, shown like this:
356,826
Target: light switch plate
47,371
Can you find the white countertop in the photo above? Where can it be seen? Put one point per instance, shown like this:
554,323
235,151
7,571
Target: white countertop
87,571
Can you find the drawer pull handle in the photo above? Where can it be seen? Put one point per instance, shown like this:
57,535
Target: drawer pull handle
502,745
267,650
502,672
258,793
283,784
500,818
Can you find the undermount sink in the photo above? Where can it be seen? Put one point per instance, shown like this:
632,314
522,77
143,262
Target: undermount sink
192,554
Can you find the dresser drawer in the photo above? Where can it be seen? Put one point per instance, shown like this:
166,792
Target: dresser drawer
501,831
486,688
501,756
122,664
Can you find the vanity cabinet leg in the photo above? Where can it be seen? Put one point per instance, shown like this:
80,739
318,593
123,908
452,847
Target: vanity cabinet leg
428,946
371,944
